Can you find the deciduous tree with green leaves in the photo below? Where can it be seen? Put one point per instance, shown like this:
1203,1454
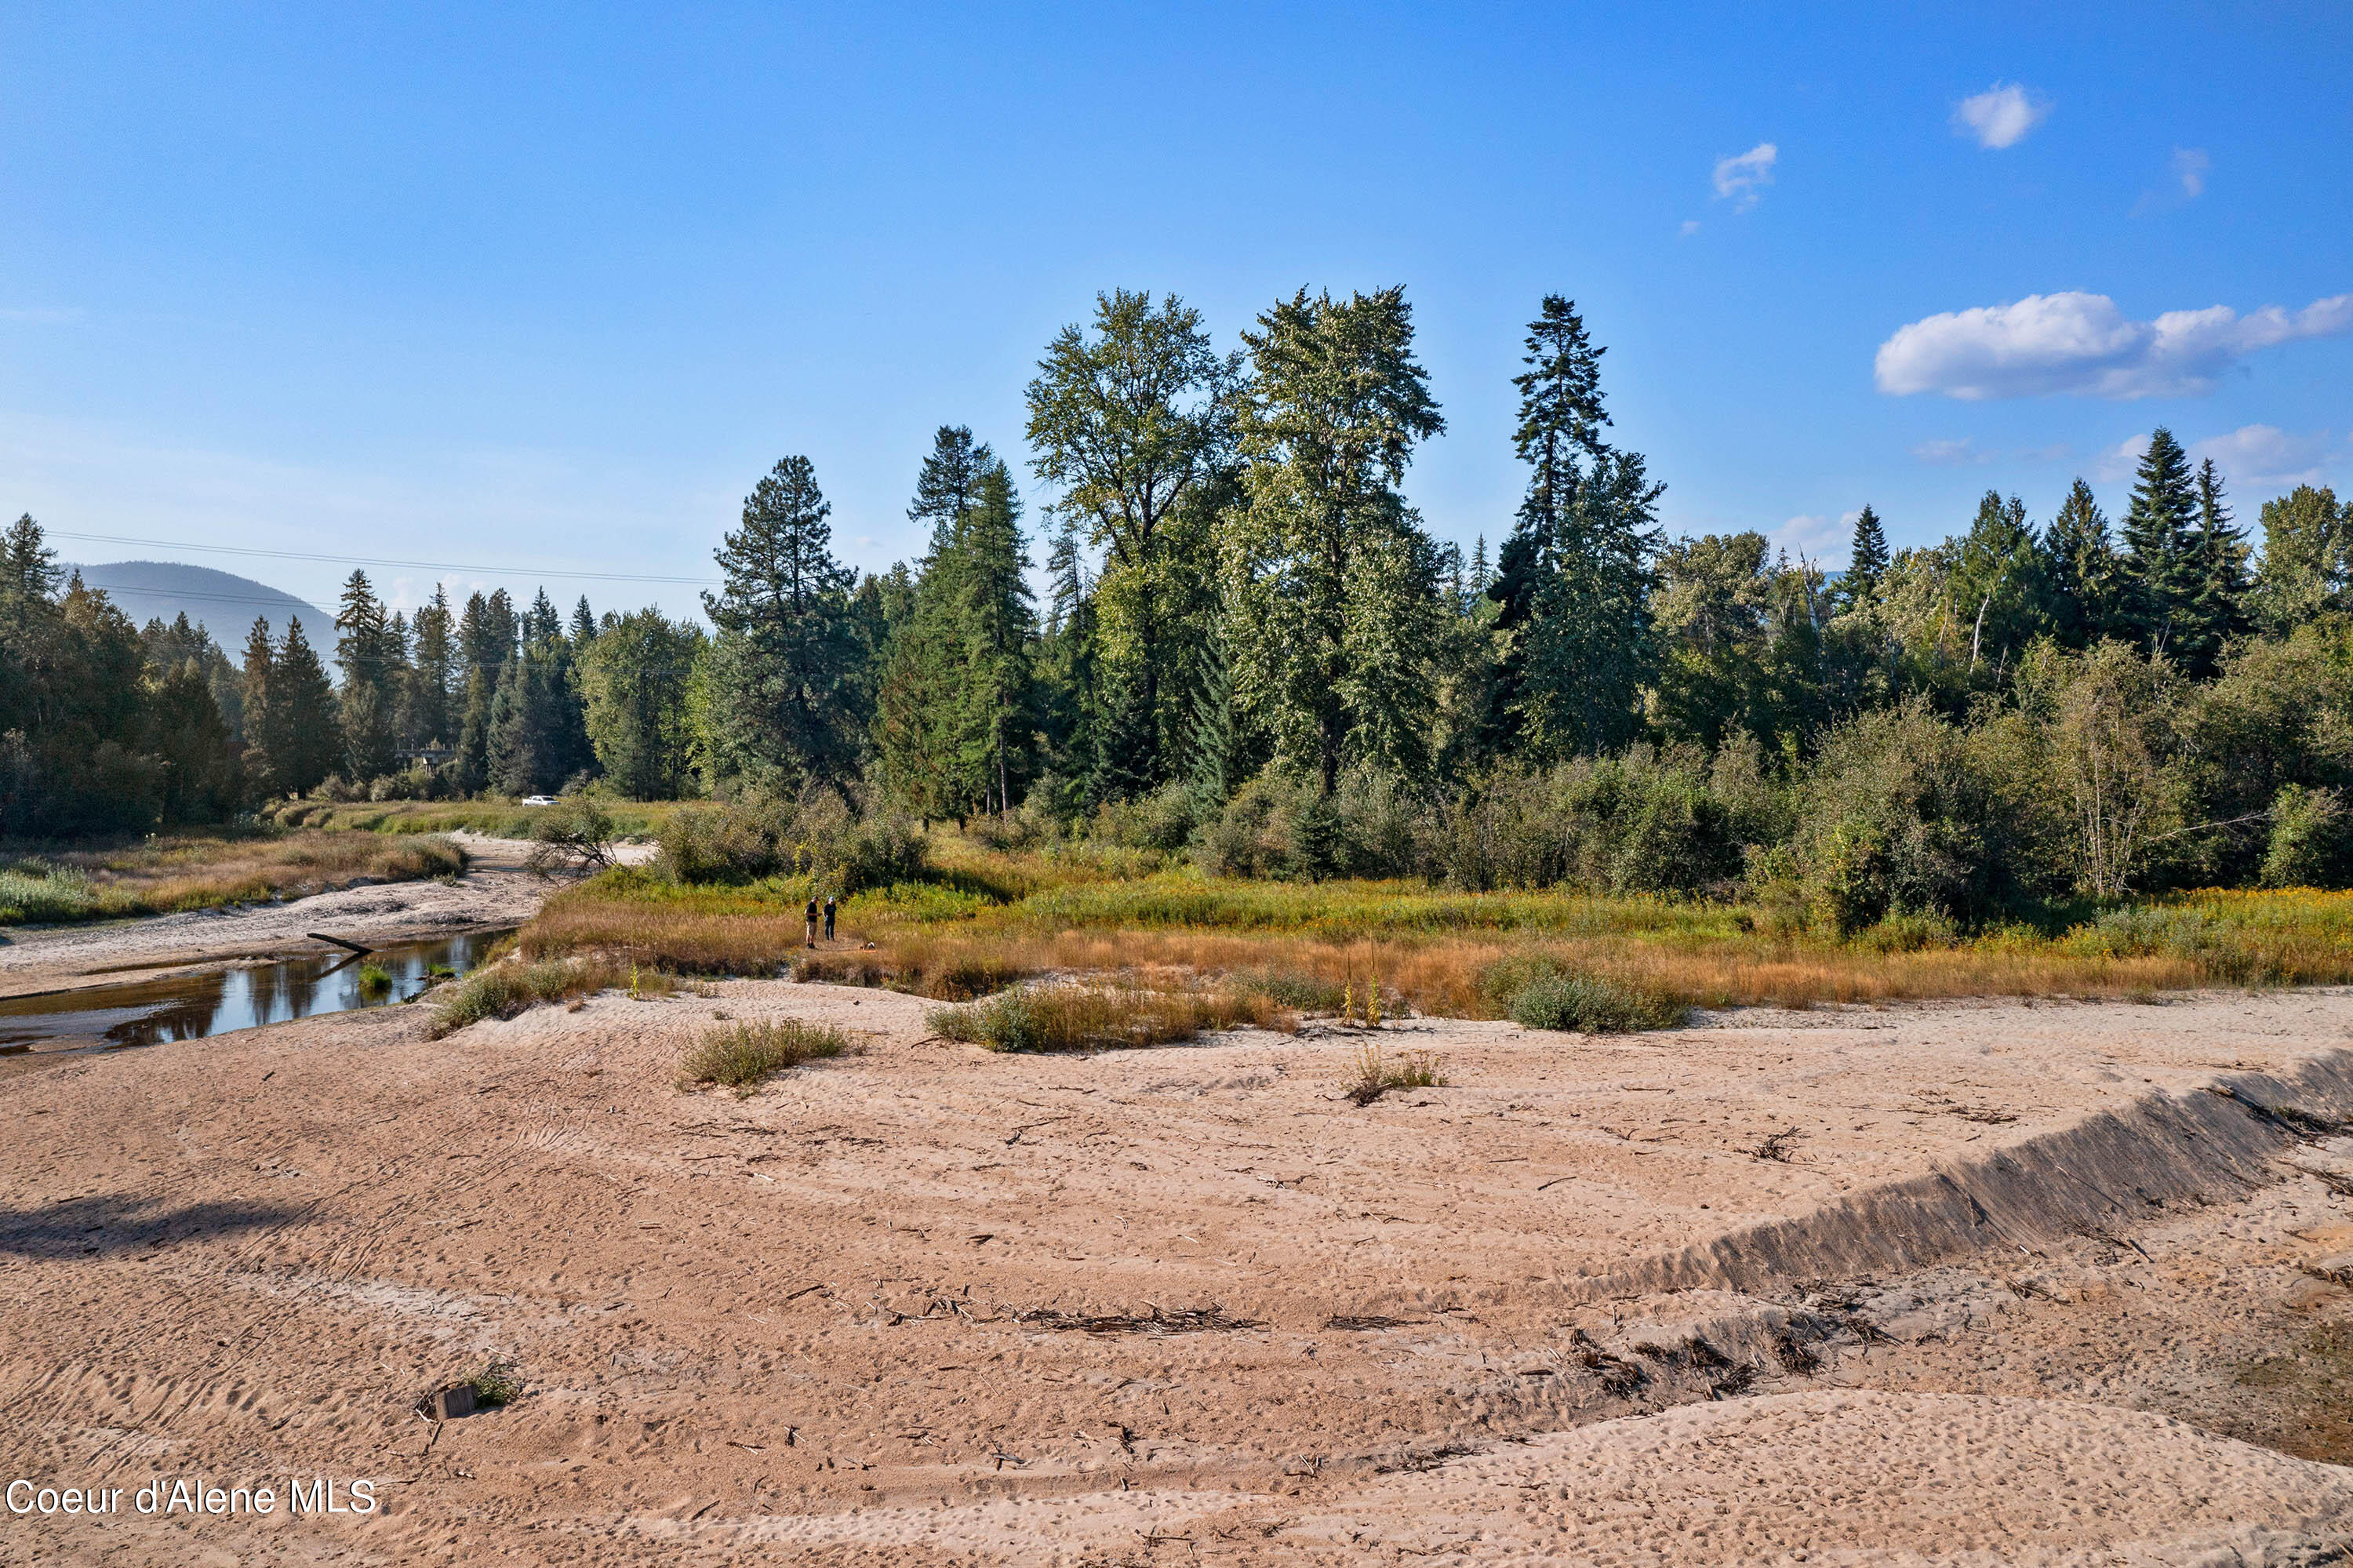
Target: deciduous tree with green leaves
1333,603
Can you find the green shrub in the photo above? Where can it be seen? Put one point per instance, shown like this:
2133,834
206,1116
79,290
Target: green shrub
2311,841
36,893
819,837
375,981
1905,815
745,1055
1535,993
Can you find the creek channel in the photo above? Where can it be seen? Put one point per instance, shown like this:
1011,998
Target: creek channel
191,1007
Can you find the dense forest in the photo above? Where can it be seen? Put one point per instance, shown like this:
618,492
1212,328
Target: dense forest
1249,650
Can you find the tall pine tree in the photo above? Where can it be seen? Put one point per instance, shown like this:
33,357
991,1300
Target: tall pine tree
785,672
1573,666
2087,593
2164,576
1866,561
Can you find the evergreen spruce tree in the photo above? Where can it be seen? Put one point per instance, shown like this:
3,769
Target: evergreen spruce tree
434,671
947,484
1866,563
367,654
28,573
786,678
2162,571
999,623
264,727
2218,610
584,625
189,742
471,769
1579,641
1331,582
1482,575
2085,577
304,716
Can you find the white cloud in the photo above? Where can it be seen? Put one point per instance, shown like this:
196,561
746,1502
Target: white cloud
2189,166
2118,461
2264,457
1946,454
1809,535
2001,116
1741,179
2082,344
1691,227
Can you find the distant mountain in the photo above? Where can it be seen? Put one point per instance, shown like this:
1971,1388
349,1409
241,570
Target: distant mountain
224,603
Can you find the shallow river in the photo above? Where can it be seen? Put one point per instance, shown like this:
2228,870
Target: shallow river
189,1007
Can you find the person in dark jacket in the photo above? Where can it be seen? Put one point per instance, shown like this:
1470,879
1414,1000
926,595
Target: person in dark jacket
829,916
809,914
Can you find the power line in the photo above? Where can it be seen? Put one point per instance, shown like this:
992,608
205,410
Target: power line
376,561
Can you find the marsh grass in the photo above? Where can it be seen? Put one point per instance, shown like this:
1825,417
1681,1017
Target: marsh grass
375,981
1070,1016
998,919
492,819
510,988
1376,1074
743,1056
178,873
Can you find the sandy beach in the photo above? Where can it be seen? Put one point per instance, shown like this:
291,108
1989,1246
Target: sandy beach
1981,1282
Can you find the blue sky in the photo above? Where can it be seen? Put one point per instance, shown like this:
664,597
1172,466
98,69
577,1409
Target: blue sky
553,286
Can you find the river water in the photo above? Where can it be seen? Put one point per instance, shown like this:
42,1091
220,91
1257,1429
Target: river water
190,1007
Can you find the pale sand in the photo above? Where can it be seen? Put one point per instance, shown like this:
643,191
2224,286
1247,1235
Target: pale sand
800,1327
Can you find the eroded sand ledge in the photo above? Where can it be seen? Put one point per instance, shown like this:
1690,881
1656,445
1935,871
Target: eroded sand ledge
815,1325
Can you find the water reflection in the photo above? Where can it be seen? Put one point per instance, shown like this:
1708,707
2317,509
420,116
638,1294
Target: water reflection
190,1007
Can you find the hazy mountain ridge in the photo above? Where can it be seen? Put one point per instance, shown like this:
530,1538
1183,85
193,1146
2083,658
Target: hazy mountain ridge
223,602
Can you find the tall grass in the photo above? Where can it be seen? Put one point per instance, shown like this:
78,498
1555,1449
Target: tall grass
1068,1016
743,1056
509,988
165,875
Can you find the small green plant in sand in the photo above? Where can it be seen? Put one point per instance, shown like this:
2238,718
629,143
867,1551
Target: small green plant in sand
1071,1017
1376,1074
743,1056
496,1384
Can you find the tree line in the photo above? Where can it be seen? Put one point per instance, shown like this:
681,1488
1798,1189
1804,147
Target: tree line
1248,639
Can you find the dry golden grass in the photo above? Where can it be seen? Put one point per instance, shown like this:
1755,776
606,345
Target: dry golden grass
166,875
1431,951
1073,1016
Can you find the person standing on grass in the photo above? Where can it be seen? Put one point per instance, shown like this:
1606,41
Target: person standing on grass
809,914
829,916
